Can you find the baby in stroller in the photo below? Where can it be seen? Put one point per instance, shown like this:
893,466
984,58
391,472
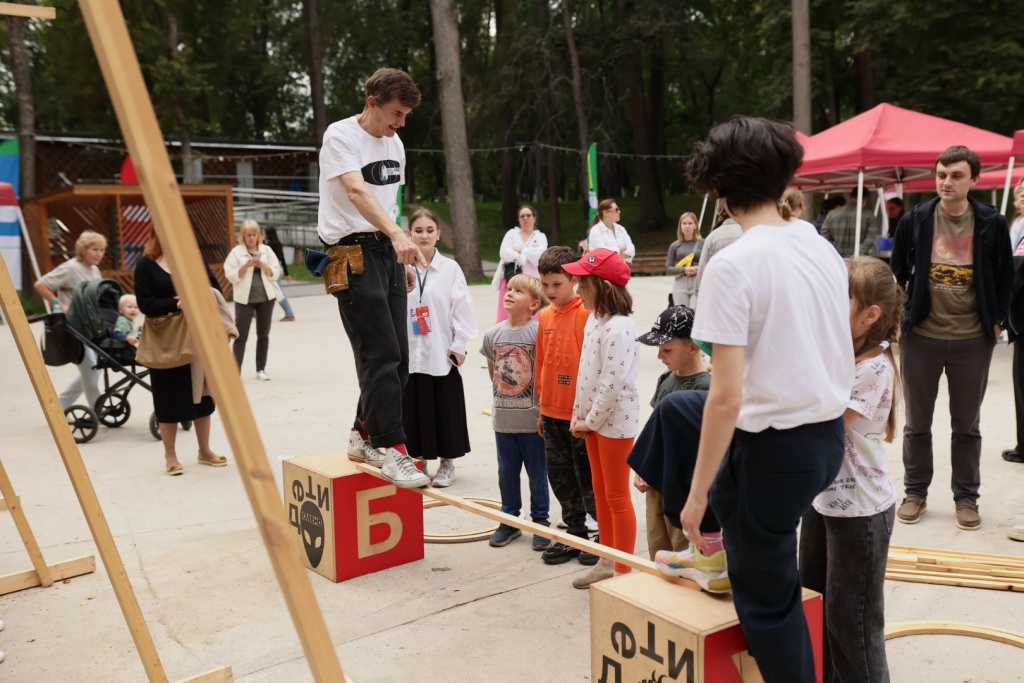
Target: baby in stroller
124,328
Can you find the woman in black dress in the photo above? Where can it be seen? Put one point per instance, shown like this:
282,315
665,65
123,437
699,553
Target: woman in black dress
172,388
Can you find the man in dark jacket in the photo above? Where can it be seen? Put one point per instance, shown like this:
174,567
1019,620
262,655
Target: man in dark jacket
953,256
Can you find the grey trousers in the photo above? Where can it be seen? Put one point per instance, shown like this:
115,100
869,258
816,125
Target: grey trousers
844,558
966,364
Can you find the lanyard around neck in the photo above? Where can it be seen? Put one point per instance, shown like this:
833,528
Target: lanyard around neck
423,280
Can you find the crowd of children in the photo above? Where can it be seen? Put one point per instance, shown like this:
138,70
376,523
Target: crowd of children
729,468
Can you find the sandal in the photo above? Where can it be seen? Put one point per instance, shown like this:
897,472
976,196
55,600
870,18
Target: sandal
213,461
175,470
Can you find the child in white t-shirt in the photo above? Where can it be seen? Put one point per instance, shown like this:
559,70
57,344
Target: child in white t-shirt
844,538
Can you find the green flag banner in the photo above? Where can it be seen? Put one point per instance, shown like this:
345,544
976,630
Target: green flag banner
592,182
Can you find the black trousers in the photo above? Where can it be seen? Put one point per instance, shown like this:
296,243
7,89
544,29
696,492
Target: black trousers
765,485
373,311
244,313
1018,390
569,474
923,360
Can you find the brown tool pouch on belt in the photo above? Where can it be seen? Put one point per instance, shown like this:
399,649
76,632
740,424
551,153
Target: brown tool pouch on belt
343,256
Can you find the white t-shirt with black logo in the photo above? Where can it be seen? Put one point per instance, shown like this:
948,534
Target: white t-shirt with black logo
381,161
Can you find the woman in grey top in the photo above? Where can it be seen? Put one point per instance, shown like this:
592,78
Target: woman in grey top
688,241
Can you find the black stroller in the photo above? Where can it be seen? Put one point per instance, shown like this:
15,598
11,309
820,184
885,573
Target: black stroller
90,322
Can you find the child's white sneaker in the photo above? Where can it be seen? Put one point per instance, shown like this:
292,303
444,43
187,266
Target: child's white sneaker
445,474
400,470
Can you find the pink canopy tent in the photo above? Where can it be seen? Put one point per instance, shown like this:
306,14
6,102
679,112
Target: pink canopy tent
888,145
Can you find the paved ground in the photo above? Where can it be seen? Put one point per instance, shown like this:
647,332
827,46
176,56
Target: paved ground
466,612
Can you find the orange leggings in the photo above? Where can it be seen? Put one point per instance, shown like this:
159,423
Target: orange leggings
616,519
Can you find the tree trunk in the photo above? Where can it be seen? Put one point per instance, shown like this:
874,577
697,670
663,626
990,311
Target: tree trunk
187,170
504,29
802,66
577,97
26,106
316,70
865,71
456,145
656,108
652,207
830,88
555,226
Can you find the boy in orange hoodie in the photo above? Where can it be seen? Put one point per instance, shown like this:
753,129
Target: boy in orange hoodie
559,341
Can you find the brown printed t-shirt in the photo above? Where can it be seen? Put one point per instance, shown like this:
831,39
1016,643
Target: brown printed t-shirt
954,297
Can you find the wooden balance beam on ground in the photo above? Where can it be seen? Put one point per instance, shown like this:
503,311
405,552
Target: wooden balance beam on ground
630,560
955,568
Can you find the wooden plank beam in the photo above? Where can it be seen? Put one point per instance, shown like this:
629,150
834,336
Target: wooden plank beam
628,559
24,530
120,66
31,11
58,572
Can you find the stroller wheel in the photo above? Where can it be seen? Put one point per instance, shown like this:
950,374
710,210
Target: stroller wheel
113,410
186,425
83,423
154,427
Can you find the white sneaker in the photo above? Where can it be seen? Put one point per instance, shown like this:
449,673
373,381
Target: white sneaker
1016,533
400,470
355,443
262,376
445,474
362,451
591,524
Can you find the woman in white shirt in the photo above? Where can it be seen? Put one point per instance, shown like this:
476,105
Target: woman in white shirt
606,233
520,250
441,322
253,270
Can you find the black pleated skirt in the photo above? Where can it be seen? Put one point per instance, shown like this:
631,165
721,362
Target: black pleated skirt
172,396
434,416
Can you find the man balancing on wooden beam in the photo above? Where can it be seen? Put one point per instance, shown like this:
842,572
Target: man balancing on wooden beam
362,164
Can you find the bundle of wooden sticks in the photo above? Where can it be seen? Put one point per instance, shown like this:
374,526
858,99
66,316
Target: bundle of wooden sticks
955,568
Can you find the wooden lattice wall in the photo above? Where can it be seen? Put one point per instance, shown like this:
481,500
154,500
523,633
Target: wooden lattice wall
119,213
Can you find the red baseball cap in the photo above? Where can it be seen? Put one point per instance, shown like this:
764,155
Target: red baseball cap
604,263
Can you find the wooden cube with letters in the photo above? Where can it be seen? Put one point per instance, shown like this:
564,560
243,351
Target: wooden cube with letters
643,628
350,523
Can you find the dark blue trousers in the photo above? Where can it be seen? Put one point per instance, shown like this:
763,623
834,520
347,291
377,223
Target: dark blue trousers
765,485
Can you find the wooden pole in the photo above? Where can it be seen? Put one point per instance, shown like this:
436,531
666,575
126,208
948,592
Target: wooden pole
135,113
72,458
12,9
24,530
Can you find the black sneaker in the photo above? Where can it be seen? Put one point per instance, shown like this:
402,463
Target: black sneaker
559,553
588,559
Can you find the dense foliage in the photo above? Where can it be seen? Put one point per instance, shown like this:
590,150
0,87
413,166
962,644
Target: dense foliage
654,75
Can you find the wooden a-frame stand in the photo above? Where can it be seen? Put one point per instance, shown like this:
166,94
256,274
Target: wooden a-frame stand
123,76
41,573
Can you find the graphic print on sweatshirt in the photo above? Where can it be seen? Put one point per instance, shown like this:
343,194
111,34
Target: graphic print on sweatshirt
513,375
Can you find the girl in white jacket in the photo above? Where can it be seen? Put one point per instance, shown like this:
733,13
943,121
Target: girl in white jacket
253,270
606,411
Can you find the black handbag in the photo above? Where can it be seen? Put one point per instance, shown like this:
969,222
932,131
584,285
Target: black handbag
511,270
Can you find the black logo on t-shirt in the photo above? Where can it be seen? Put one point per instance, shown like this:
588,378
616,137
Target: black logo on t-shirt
384,172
